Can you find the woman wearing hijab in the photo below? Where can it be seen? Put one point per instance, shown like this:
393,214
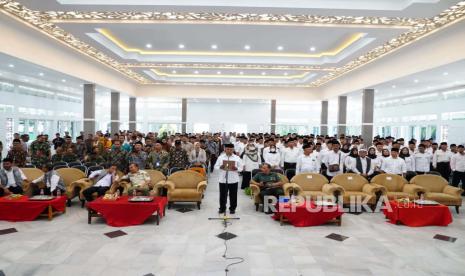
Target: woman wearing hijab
251,161
350,159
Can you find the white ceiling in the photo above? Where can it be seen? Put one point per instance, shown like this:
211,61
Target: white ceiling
270,52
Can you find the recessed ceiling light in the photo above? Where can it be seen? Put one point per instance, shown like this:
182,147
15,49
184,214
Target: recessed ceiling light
445,73
286,73
11,65
196,72
148,45
415,81
214,46
312,49
263,73
174,71
181,46
41,74
241,73
63,80
218,73
394,86
247,47
280,48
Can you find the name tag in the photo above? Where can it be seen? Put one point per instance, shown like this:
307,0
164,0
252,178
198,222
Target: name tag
309,176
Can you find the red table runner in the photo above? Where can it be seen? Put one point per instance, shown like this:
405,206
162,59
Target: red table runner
23,209
121,212
303,216
418,215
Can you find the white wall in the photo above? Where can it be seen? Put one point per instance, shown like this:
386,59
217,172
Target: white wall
400,118
250,117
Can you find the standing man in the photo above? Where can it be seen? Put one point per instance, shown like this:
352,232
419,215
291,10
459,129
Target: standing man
422,160
394,164
334,161
457,164
309,161
40,151
289,157
17,154
159,159
229,165
362,165
58,141
213,149
441,161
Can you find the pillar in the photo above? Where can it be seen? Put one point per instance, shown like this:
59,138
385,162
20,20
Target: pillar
368,103
324,118
132,114
184,115
115,121
273,116
342,115
89,109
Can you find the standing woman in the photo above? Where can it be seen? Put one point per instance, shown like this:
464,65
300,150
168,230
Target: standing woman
409,162
376,160
251,160
350,160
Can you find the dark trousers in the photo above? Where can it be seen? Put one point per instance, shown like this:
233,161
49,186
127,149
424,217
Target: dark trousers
213,159
230,188
444,169
458,177
47,191
246,176
14,190
276,192
289,166
99,190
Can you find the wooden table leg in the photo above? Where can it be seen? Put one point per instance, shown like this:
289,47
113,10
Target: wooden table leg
89,216
157,217
281,219
50,212
339,221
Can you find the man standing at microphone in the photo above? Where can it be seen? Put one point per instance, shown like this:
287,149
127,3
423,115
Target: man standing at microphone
229,165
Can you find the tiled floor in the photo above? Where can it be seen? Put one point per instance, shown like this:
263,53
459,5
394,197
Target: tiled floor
185,244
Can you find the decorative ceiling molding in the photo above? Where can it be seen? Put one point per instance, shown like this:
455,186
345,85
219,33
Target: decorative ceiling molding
34,19
450,16
228,18
229,66
230,76
417,29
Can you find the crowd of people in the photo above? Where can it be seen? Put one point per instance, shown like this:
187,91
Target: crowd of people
131,152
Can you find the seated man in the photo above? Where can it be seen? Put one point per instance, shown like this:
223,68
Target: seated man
70,156
139,180
103,180
269,182
58,156
11,178
52,180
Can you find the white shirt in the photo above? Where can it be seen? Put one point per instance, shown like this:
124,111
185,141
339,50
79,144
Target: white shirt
52,184
106,181
422,161
229,177
249,164
239,147
410,163
332,158
274,159
457,162
308,163
11,177
441,156
394,165
289,155
364,165
349,163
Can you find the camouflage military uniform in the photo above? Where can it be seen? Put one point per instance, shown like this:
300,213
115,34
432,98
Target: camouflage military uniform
120,158
65,147
57,158
40,153
95,158
70,157
18,157
159,161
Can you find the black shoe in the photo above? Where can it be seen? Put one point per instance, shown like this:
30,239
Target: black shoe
221,211
232,212
269,212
